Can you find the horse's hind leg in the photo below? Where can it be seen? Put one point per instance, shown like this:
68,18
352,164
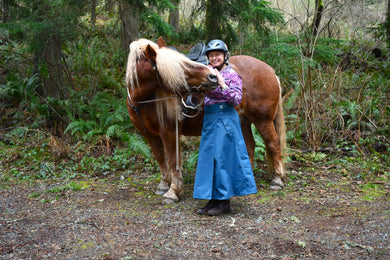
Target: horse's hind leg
156,145
248,137
273,153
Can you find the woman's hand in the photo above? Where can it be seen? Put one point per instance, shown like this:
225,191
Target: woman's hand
221,81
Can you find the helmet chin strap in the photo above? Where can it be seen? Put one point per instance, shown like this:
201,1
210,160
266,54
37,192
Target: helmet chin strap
220,67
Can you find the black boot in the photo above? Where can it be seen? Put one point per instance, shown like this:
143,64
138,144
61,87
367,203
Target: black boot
208,206
221,208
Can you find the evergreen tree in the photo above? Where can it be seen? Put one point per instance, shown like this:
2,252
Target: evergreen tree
250,15
45,25
387,24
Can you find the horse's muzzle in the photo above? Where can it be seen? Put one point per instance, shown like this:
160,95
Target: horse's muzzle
213,80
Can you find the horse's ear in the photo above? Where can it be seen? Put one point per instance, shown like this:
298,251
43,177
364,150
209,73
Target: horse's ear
161,43
150,53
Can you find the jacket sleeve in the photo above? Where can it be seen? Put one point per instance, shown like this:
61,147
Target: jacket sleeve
233,93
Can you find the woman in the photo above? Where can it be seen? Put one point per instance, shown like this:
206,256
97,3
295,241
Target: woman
224,169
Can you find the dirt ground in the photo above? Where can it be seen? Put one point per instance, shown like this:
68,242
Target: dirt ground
325,217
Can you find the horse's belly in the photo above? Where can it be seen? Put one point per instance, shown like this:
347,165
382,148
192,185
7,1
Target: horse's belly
192,126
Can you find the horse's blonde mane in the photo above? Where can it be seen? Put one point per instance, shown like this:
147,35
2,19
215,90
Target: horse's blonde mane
171,66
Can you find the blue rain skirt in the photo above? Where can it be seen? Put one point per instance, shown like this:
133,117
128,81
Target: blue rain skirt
223,169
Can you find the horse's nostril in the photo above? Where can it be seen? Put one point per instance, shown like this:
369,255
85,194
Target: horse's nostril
212,78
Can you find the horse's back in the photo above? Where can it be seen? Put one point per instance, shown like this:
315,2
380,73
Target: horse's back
261,91
255,72
249,62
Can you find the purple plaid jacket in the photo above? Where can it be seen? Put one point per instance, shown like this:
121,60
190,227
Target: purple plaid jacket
232,95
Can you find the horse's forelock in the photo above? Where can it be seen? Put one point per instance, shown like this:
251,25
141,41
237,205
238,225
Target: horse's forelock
171,67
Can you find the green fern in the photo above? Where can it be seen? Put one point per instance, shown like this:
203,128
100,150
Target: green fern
260,146
106,115
294,95
137,145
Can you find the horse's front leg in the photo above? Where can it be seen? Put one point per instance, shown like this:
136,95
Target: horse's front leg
157,147
172,151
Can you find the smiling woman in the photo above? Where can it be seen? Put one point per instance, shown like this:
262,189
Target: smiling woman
224,169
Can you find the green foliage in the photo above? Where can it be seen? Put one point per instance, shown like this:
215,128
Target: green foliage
260,146
18,85
73,186
227,20
189,166
32,162
29,155
96,106
192,33
324,94
256,17
105,115
335,91
160,27
40,22
137,145
17,88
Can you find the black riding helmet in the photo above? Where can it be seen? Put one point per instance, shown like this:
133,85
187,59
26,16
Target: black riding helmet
218,45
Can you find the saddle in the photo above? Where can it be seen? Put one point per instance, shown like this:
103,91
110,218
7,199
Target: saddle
198,54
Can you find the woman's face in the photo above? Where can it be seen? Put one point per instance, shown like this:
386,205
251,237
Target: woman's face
216,58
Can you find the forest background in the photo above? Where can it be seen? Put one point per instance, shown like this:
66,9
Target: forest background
62,69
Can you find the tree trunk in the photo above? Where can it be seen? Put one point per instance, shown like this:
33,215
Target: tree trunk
387,24
174,16
93,14
51,69
48,58
129,23
214,13
319,7
5,10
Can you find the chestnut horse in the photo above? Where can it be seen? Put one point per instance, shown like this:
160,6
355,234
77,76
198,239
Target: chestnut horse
157,77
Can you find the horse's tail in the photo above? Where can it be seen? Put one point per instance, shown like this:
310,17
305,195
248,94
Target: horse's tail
280,127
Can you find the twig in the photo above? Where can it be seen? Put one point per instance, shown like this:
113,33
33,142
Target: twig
51,108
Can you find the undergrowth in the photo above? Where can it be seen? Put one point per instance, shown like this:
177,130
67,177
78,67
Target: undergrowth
335,94
41,157
28,155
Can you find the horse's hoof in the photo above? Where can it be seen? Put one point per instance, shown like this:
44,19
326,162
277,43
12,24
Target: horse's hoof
276,184
160,192
162,188
167,201
170,197
275,187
